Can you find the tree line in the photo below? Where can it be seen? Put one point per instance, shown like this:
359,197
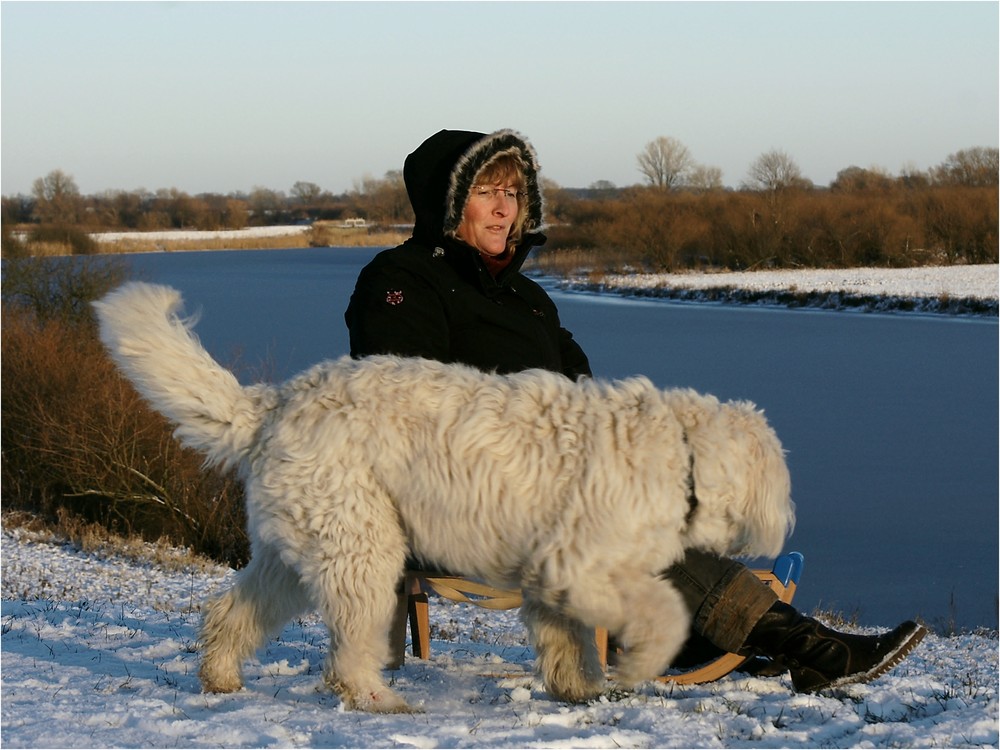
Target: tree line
681,216
56,199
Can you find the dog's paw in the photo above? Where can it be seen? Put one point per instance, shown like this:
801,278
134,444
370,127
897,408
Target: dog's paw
570,683
578,692
225,686
382,702
375,699
215,682
638,666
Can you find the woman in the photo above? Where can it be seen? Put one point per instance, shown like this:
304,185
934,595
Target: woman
454,292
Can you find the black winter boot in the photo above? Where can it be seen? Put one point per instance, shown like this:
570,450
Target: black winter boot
819,657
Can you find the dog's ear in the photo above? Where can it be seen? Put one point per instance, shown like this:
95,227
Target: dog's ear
767,508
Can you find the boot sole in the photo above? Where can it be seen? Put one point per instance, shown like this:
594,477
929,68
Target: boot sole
891,660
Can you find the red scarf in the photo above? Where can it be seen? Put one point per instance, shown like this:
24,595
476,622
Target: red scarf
496,263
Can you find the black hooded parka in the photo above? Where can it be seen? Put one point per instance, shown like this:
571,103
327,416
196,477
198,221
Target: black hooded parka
434,297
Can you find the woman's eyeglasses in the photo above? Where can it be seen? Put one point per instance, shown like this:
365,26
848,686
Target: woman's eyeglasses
488,193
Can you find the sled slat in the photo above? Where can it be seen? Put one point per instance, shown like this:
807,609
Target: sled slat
783,578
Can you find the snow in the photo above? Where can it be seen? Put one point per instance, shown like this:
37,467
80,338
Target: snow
970,289
99,651
190,235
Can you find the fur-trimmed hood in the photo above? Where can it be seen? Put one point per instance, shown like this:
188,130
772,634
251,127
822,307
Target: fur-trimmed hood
440,173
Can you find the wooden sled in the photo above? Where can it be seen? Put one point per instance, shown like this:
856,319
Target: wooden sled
413,608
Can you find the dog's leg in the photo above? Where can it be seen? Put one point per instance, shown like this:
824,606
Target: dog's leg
355,586
655,626
359,631
566,651
265,596
646,614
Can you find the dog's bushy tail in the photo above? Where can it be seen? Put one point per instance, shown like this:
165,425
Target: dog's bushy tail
156,350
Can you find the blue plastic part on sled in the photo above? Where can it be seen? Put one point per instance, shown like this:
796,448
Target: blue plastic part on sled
788,568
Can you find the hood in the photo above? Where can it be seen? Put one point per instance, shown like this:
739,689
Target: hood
439,175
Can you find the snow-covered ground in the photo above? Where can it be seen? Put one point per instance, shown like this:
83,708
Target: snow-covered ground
945,289
187,235
99,651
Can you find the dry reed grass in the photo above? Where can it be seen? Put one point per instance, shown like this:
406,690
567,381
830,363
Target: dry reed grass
139,245
77,438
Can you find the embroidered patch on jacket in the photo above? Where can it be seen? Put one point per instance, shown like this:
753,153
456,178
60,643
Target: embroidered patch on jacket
394,297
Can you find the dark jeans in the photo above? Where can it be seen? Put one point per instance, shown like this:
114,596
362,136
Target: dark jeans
725,600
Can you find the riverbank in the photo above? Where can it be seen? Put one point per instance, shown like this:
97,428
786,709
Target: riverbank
284,237
952,290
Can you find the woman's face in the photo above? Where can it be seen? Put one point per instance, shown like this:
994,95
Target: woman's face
489,214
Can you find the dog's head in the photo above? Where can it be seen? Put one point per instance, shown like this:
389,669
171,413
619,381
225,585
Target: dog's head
741,486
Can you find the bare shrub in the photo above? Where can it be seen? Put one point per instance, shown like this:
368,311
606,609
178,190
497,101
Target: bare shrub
660,231
591,261
60,288
961,222
12,246
77,437
884,224
334,234
74,239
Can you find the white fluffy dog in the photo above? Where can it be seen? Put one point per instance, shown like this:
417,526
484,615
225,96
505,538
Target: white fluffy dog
578,493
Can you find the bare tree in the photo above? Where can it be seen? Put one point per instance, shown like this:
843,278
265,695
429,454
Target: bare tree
971,166
912,177
855,179
265,204
704,178
774,170
665,162
383,201
57,198
306,193
602,189
17,209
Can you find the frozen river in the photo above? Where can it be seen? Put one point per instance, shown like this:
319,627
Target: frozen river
890,421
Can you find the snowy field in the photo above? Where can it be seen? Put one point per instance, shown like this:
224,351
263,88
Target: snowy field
936,289
100,652
224,234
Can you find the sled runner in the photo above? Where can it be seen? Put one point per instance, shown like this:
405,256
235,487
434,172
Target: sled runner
413,608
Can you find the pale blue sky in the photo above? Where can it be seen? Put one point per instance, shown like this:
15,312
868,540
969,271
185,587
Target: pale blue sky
222,97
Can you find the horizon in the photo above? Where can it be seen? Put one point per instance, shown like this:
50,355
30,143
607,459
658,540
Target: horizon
226,97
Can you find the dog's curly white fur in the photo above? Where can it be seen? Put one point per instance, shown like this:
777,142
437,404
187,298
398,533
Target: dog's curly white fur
578,493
